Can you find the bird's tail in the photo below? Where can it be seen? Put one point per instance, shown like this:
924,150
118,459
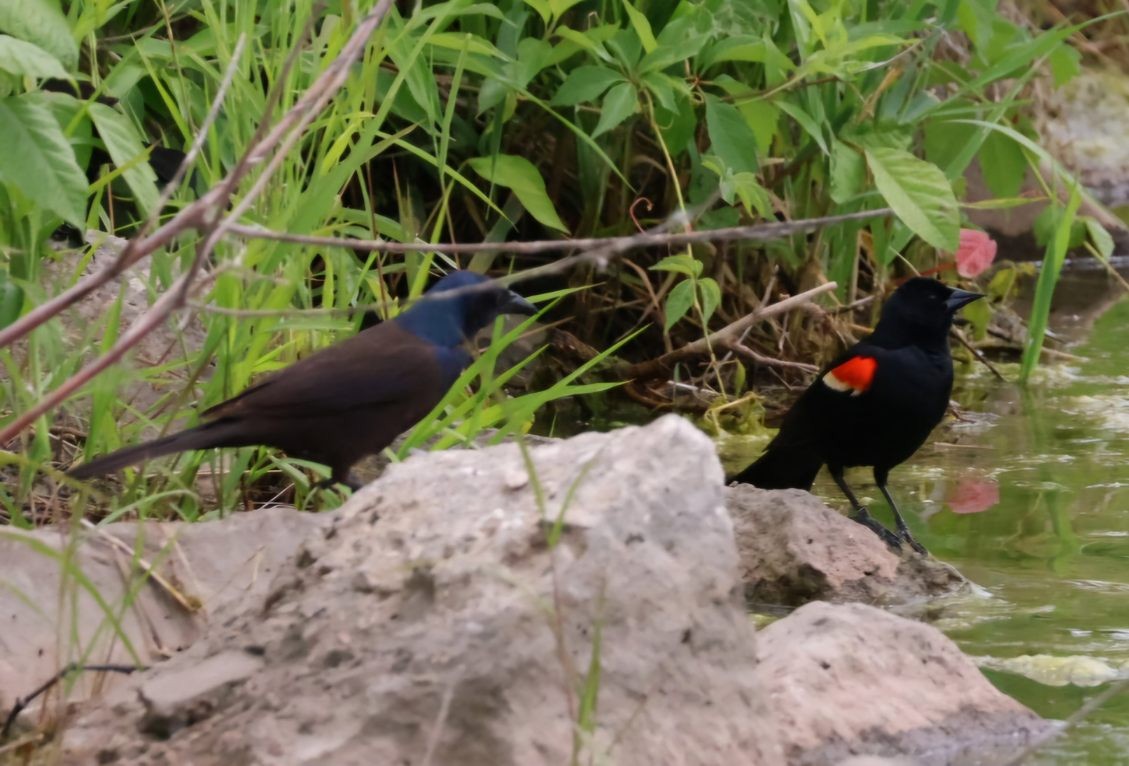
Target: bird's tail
201,437
783,467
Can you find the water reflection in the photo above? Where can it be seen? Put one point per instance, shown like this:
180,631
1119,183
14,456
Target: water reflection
1033,505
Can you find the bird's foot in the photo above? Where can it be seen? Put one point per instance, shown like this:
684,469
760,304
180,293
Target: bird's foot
893,542
905,536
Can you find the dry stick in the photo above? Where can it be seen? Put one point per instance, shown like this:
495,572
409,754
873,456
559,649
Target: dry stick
753,233
726,336
977,353
1075,718
23,702
204,217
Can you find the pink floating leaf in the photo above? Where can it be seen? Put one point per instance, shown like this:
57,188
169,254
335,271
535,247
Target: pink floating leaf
976,252
973,494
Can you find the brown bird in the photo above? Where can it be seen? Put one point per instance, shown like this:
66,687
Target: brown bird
352,399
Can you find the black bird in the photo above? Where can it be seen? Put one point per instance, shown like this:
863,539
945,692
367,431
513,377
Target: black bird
352,399
874,405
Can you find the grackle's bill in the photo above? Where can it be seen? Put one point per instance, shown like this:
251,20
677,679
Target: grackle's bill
874,405
352,399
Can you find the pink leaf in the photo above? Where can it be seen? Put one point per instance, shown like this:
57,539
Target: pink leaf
976,252
974,494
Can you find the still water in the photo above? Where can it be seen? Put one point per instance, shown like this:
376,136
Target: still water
1029,499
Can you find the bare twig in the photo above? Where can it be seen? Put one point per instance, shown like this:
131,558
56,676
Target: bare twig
725,337
1075,718
23,702
761,232
977,353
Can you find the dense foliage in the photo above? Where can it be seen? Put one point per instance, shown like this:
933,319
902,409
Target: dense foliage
472,121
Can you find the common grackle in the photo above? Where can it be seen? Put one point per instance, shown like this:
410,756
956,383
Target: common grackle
874,405
352,399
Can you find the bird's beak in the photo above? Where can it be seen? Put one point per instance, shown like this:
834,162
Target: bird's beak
515,304
960,298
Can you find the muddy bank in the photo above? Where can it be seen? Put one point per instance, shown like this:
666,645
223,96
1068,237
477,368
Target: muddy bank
460,611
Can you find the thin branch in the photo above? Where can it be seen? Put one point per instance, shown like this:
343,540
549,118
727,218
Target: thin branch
761,232
742,350
727,336
23,702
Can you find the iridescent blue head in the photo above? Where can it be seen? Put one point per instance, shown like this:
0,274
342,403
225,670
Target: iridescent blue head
458,306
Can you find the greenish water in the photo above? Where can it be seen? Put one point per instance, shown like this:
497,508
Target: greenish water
1030,501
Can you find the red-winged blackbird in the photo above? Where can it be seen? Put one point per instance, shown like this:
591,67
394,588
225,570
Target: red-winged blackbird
351,399
874,405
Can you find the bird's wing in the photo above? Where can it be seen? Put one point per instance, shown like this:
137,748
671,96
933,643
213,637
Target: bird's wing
383,364
836,392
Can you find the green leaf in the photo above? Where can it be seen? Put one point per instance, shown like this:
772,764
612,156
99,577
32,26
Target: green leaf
848,172
126,149
731,138
682,263
805,121
1053,258
919,194
1101,238
28,60
544,10
520,176
11,300
621,102
762,117
678,41
38,160
641,26
42,23
585,83
710,291
1064,63
1003,165
678,302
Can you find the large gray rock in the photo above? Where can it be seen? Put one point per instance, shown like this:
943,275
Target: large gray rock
61,593
794,549
467,610
850,680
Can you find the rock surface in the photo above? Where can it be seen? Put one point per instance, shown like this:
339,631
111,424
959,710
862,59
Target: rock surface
852,680
794,549
452,632
201,568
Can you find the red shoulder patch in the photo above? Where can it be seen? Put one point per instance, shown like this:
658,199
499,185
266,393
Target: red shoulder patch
854,375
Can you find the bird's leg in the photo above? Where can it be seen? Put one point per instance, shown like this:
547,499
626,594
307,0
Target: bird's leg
861,515
903,530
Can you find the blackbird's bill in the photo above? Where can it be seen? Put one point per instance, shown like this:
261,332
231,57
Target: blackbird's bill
352,399
874,405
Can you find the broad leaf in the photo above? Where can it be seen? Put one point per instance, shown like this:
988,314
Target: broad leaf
682,263
621,102
39,161
848,172
641,26
585,83
919,194
520,176
710,291
125,148
42,23
678,302
731,138
28,60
